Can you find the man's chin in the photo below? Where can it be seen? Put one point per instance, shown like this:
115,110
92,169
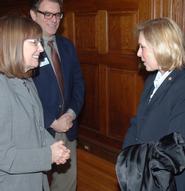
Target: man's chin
52,32
49,33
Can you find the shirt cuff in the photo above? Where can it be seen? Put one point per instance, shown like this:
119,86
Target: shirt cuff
72,113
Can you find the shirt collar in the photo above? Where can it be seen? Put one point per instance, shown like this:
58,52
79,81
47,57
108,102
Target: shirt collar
160,77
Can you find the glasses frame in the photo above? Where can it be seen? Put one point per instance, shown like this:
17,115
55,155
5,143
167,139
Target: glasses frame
49,15
35,41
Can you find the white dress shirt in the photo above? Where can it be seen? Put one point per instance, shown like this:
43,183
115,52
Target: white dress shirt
159,79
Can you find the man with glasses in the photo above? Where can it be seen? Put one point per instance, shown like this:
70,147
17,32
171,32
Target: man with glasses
61,105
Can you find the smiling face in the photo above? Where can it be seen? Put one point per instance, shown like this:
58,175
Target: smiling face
31,51
49,26
146,53
20,47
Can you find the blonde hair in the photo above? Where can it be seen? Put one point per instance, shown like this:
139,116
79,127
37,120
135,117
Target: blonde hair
13,31
167,41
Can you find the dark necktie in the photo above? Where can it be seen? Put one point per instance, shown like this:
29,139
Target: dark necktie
56,66
57,70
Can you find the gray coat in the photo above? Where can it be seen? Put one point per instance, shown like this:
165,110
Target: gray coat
24,143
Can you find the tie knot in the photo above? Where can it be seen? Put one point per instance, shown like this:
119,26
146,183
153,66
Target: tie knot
50,43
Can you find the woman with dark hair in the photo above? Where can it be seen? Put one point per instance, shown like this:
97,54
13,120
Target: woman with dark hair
27,150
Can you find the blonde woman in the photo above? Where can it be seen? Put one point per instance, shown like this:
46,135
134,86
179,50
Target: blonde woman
162,107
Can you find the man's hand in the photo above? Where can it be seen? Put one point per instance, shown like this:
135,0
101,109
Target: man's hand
63,123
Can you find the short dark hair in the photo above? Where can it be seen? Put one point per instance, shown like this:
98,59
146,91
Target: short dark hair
34,4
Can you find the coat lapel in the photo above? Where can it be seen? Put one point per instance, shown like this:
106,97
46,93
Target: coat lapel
161,91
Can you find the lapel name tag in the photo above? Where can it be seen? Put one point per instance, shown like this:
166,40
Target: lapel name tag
44,62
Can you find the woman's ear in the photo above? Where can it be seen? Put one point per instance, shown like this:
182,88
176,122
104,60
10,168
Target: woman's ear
33,15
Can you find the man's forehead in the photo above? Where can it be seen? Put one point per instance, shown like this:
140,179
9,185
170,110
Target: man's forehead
50,4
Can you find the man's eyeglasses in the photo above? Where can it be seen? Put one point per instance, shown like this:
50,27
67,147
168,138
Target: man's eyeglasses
48,15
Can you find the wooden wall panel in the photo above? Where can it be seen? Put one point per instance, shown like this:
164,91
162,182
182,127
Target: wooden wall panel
67,26
102,31
85,28
122,25
171,8
122,96
91,111
178,13
20,7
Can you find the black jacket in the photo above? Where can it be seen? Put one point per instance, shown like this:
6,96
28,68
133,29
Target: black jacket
162,115
153,166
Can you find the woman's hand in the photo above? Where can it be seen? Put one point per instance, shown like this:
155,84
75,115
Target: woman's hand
60,153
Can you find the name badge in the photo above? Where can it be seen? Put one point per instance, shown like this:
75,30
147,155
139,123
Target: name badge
44,62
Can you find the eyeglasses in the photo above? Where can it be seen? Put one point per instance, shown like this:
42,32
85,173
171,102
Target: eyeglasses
48,15
35,41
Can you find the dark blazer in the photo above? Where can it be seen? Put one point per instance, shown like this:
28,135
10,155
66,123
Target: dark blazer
151,166
48,89
163,114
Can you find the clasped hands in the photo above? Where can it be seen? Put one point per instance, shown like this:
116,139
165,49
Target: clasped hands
60,153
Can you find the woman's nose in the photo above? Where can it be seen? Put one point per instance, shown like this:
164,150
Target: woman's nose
40,47
139,52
